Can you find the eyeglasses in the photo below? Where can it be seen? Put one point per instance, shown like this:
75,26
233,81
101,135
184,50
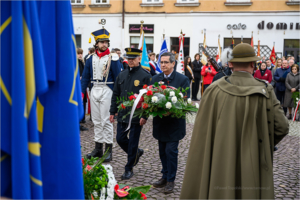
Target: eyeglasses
119,53
164,62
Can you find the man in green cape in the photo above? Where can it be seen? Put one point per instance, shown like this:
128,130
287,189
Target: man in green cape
238,123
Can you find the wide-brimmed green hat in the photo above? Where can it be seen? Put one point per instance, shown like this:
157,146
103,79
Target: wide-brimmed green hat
244,53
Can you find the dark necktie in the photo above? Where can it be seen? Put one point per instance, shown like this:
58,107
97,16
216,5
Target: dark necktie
166,81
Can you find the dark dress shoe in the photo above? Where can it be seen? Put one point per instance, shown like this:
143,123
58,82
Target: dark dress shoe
161,183
140,153
169,187
127,175
82,128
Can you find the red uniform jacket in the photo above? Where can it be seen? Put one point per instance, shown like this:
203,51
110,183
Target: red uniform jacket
208,77
267,76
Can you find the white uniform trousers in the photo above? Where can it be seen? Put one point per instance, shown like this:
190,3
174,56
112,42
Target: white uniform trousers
100,105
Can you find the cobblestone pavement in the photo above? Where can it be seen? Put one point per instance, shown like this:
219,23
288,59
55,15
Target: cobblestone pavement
286,161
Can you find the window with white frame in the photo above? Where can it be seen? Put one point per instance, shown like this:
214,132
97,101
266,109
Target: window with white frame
152,1
77,2
100,1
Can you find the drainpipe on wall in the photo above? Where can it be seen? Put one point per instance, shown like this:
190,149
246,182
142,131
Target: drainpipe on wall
123,30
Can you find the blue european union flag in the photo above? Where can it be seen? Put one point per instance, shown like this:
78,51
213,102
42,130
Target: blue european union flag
61,107
40,102
22,78
163,49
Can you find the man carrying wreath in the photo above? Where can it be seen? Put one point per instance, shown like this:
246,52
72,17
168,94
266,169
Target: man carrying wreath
130,80
167,130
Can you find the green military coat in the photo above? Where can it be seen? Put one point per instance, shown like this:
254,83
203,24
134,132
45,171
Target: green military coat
231,150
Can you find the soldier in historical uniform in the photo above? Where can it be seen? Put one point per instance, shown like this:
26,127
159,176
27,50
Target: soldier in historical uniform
129,80
102,69
237,126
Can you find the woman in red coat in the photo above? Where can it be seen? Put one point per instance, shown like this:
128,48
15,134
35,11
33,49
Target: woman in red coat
263,73
208,72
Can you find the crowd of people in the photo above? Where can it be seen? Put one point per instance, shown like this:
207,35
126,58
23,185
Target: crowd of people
111,77
280,75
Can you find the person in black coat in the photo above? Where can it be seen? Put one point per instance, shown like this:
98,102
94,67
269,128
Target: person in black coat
197,66
227,71
167,130
81,68
188,68
129,80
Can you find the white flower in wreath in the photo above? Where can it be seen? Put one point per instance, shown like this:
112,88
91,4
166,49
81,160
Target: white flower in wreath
154,99
172,94
168,105
174,99
161,82
197,105
297,99
181,95
95,194
189,100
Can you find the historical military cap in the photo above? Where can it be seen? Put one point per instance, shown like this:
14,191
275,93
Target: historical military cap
244,53
101,35
132,52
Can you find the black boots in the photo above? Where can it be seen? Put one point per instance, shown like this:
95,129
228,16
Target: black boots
109,157
97,152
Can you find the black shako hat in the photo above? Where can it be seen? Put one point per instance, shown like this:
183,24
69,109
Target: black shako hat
132,52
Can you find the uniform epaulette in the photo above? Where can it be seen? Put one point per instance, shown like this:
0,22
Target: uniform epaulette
263,81
146,70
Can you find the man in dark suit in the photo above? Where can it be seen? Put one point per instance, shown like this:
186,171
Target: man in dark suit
168,131
197,66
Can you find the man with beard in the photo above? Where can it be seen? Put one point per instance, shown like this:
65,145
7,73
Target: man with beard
102,68
238,123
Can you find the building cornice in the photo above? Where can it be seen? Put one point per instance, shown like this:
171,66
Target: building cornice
78,6
187,4
292,3
100,5
152,4
238,3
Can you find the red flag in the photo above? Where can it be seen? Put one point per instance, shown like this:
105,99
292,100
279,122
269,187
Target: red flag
273,56
252,41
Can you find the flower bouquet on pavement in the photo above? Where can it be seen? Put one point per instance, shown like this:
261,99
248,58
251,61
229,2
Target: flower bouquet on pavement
125,192
100,182
158,100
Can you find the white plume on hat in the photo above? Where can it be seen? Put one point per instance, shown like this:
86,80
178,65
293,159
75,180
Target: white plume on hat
226,56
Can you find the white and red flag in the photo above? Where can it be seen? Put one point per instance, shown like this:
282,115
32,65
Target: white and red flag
180,62
219,51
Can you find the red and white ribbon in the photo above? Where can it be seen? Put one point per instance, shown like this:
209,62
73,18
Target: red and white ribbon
136,101
294,118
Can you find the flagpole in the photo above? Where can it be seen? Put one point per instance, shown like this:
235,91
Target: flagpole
202,86
242,39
